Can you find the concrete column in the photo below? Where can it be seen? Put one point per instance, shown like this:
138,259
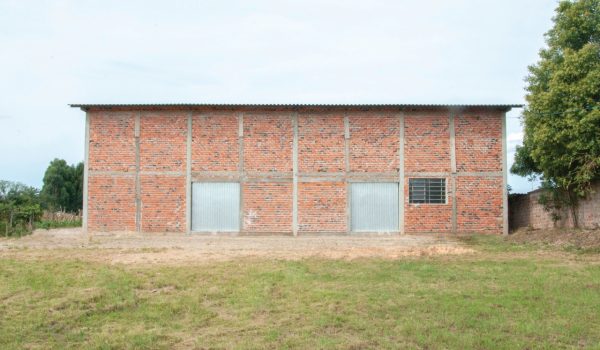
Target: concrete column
138,187
295,175
504,179
241,176
453,169
86,166
401,178
347,171
188,177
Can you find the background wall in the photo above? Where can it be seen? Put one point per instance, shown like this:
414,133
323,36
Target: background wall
526,211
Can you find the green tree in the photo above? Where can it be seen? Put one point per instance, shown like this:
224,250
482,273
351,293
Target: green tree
562,117
19,206
63,186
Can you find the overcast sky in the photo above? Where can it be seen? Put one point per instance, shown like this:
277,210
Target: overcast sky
406,51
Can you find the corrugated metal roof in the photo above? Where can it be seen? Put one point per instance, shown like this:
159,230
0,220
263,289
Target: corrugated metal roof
292,106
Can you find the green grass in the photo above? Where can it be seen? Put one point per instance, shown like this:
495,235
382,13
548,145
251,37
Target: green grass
484,301
48,224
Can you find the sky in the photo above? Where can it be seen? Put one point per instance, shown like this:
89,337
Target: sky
53,53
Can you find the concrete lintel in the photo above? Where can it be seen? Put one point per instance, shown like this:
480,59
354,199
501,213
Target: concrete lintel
217,179
316,175
274,174
266,179
209,174
481,173
322,179
374,179
372,175
428,174
162,173
112,173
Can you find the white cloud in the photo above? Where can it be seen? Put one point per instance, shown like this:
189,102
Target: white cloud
432,51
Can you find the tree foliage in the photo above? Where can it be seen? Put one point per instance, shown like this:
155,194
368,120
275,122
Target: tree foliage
562,117
19,207
63,186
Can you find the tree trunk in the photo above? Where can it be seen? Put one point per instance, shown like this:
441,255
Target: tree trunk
573,207
10,219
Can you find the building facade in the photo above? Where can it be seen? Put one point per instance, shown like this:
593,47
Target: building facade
296,169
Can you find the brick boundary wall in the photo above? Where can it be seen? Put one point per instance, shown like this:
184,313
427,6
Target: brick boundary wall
526,211
295,166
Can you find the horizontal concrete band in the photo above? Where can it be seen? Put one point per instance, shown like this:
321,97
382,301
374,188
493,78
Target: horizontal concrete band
306,177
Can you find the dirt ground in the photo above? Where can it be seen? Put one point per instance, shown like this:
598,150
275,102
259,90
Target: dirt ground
563,238
134,248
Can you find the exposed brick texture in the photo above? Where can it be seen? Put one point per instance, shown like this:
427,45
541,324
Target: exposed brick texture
267,207
111,203
267,176
526,211
268,140
322,207
215,142
374,142
321,143
163,139
112,142
426,142
428,217
478,142
479,204
163,203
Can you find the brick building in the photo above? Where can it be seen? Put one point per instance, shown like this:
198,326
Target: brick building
295,169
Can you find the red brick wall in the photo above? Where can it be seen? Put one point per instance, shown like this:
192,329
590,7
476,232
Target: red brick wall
163,203
374,142
215,142
111,203
525,210
428,217
426,142
479,204
268,148
479,142
112,143
321,143
163,140
322,207
268,139
267,207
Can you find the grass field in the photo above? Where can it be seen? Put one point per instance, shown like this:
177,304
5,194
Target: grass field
505,296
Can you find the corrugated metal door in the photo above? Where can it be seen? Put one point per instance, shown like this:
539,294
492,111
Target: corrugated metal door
374,206
215,206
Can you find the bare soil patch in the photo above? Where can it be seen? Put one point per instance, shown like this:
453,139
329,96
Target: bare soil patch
561,238
177,249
